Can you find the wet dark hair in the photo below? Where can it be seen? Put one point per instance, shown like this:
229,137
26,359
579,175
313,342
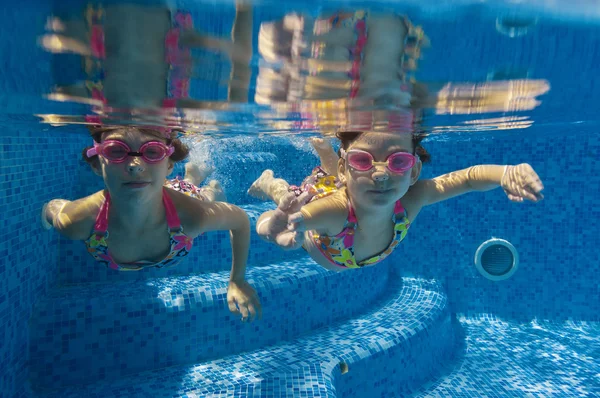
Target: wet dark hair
181,150
348,137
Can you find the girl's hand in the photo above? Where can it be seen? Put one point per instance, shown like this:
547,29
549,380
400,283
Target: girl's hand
285,225
243,300
521,182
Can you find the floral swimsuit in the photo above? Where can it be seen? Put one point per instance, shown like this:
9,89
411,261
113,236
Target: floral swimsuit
339,249
181,244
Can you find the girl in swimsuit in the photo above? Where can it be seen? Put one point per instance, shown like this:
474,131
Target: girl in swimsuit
358,213
140,220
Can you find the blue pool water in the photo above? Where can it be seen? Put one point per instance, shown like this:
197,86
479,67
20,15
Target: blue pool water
423,323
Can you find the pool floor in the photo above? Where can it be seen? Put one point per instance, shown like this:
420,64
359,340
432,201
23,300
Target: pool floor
537,359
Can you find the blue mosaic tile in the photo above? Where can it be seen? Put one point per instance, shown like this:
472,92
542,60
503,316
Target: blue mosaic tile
557,249
410,318
176,320
508,359
557,239
28,256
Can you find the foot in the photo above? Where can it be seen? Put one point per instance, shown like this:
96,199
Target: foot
196,173
321,144
217,191
260,187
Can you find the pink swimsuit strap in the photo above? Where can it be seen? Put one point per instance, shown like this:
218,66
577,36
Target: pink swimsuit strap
173,221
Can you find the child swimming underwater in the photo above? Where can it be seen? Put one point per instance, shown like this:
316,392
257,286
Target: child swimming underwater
360,216
142,219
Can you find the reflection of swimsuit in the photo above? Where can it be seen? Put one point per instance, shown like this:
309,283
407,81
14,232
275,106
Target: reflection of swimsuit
413,41
339,249
178,58
181,244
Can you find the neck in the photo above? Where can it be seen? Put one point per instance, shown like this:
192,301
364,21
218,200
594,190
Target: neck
375,216
136,215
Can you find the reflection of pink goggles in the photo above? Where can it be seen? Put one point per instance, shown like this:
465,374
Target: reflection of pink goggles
117,151
397,162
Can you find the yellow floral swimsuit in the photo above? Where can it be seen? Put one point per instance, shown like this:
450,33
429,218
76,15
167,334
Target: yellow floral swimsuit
339,249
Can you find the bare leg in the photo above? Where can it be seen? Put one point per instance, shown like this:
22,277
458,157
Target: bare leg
329,159
267,187
213,192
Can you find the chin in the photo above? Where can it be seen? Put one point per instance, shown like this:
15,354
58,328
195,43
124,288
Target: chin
378,200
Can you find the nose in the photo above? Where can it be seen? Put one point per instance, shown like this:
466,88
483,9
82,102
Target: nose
135,165
380,174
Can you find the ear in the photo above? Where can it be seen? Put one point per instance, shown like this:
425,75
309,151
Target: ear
96,167
342,170
171,166
416,172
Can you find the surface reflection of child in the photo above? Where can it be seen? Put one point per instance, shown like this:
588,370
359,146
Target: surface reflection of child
354,54
140,56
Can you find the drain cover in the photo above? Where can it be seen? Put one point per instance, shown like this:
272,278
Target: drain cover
496,259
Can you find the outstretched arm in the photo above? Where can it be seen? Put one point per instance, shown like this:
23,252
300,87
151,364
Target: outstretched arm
520,182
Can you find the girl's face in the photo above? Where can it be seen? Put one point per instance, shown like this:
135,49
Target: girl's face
379,186
133,178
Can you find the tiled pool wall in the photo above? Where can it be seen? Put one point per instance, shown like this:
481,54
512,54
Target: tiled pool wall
556,238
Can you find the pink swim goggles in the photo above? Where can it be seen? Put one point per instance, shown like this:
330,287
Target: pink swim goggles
397,162
117,151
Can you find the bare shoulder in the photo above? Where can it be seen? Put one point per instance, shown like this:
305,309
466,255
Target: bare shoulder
189,210
198,216
327,215
416,197
77,218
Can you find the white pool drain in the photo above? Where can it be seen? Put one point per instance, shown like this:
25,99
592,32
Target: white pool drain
496,259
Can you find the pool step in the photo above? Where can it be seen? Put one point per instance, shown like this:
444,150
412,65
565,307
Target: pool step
211,253
88,332
387,350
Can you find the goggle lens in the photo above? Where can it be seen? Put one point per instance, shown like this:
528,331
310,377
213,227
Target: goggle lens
401,161
398,162
117,151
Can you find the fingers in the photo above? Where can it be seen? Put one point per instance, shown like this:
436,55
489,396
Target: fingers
523,183
524,195
290,240
287,201
296,222
246,303
232,305
254,309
